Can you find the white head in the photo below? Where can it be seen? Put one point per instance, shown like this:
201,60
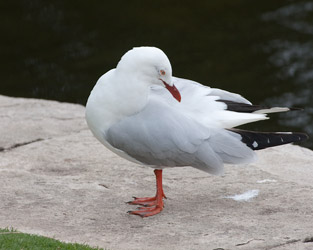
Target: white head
151,65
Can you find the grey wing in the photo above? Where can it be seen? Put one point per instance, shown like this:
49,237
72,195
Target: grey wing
188,85
162,136
233,101
229,96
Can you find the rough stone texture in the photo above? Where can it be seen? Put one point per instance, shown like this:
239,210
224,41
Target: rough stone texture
57,180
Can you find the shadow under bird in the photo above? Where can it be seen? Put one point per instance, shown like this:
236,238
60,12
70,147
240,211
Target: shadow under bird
142,113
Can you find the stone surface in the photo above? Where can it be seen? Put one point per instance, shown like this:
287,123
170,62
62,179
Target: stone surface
57,180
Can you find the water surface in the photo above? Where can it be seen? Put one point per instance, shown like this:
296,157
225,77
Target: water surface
260,49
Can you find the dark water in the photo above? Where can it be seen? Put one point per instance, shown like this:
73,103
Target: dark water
260,49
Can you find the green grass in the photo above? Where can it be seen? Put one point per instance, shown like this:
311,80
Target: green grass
10,239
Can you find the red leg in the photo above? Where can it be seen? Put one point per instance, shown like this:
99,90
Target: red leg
151,205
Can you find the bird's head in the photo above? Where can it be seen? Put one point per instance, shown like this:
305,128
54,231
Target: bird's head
150,65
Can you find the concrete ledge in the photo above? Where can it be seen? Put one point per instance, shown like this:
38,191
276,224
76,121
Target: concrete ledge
57,180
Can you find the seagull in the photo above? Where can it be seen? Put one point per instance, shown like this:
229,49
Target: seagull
144,114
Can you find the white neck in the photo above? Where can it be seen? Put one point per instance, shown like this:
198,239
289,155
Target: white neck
114,97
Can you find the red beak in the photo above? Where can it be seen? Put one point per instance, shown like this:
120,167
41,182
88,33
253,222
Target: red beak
173,90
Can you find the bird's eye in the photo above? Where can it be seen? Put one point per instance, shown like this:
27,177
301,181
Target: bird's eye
162,72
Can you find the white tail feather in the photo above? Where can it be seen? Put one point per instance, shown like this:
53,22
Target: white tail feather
271,110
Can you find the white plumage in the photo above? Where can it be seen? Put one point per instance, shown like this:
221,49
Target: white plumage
131,111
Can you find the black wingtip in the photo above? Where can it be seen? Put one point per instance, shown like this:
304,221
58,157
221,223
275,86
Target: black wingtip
262,140
250,108
295,109
302,136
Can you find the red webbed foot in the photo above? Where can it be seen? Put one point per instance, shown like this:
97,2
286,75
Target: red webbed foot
151,205
147,211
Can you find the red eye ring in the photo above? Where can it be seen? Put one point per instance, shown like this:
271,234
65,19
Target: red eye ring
162,72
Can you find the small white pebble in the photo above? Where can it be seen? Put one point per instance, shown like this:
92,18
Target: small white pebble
266,180
246,196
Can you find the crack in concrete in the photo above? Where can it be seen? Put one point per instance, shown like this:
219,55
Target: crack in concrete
20,145
308,239
66,118
283,244
247,242
10,105
3,149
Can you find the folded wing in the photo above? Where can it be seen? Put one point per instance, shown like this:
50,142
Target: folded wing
160,135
